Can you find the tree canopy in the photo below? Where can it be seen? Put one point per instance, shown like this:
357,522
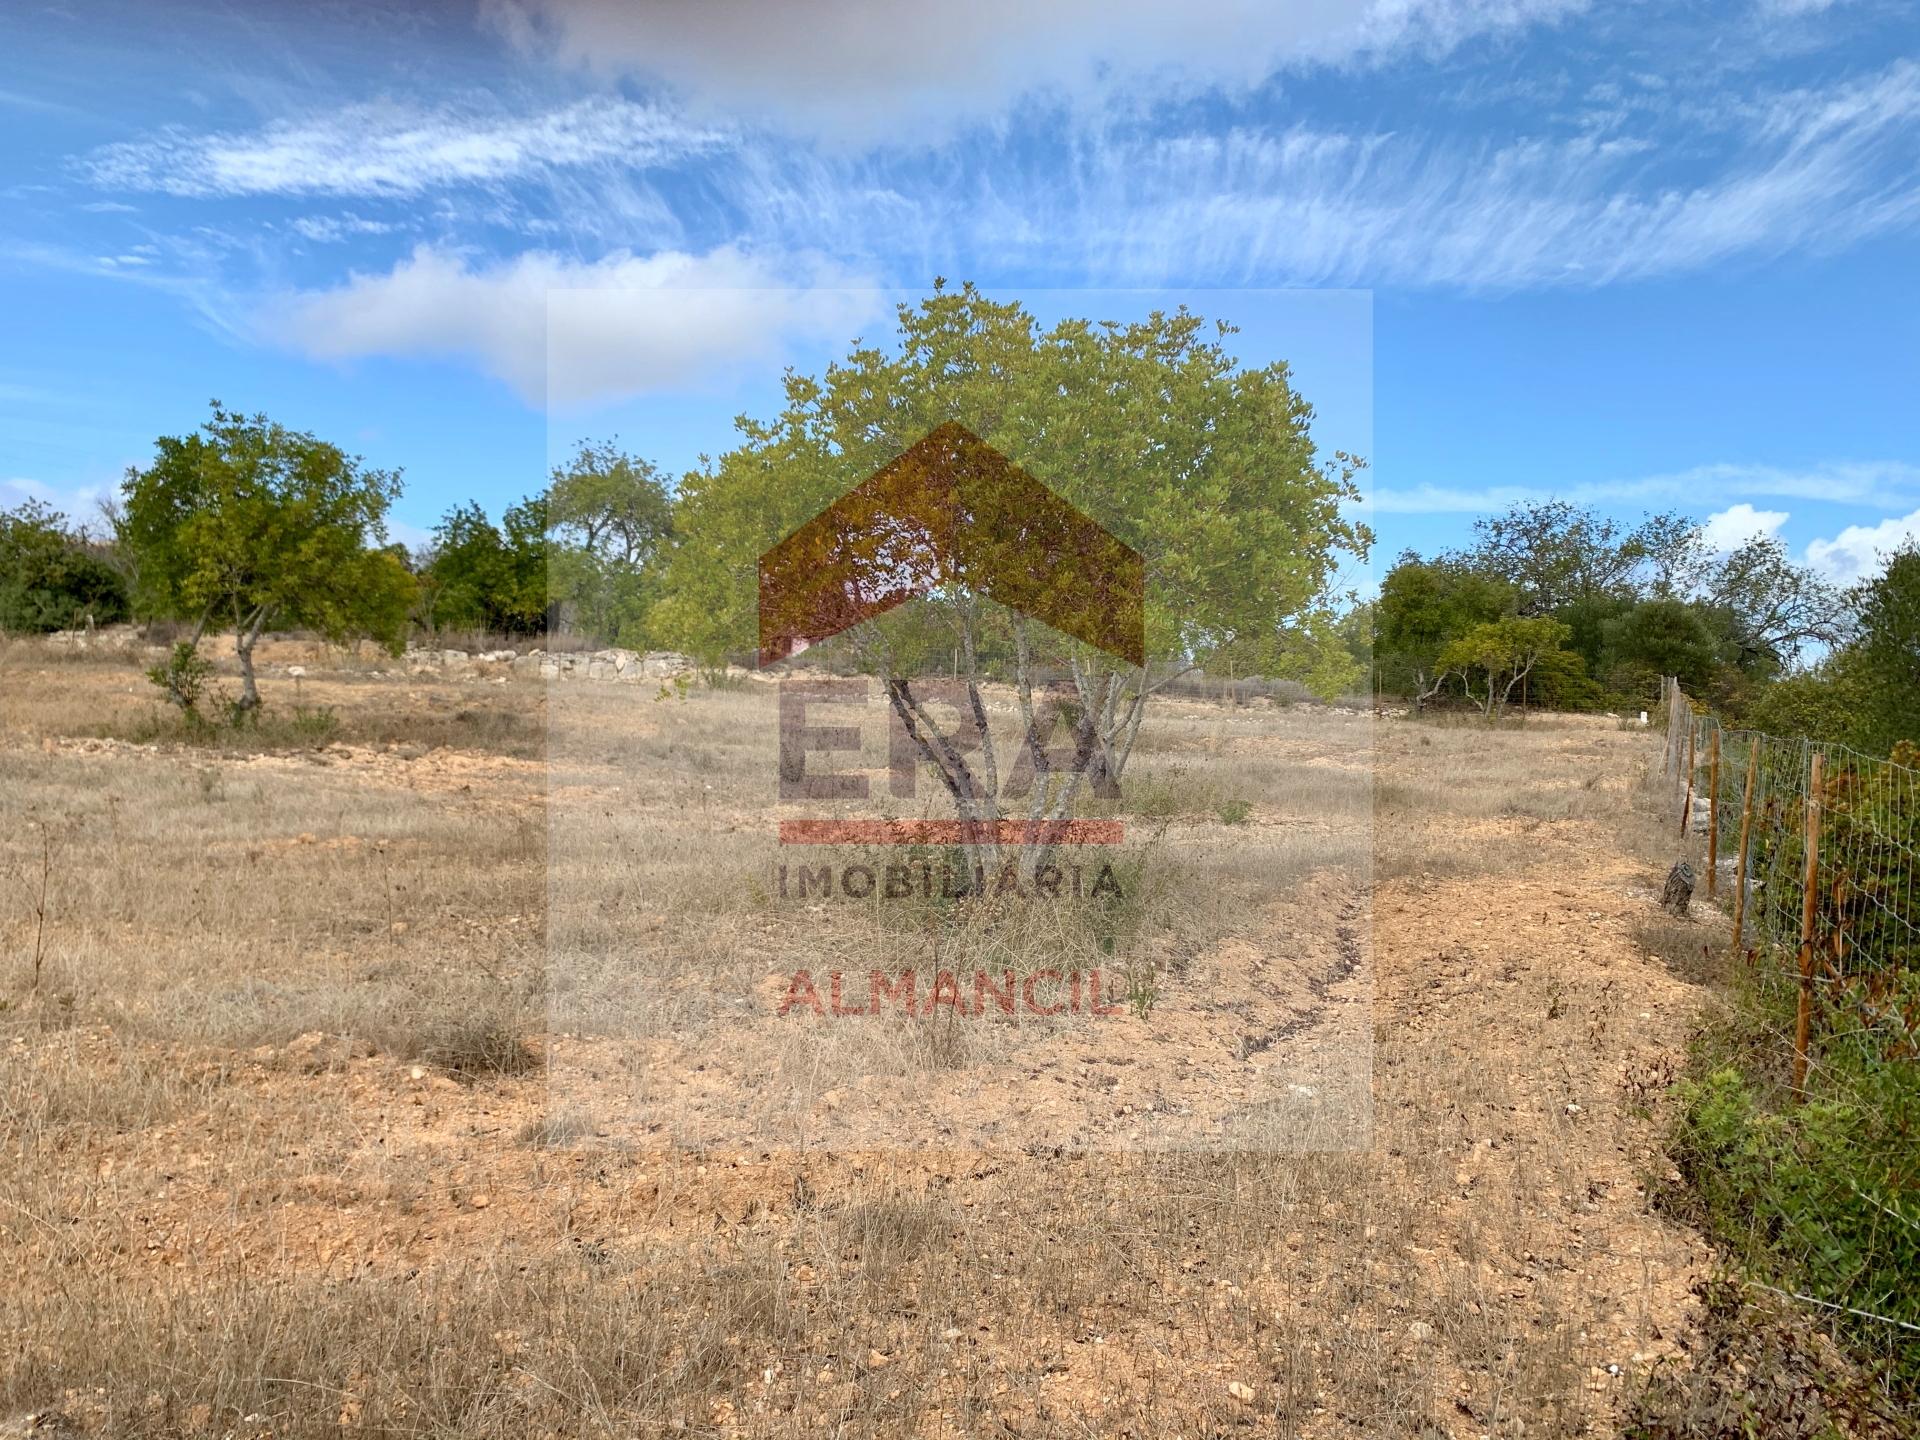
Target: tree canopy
1152,428
1635,602
52,575
480,576
609,518
247,523
1866,692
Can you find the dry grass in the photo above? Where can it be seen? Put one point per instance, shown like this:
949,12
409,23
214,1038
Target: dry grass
243,1211
359,699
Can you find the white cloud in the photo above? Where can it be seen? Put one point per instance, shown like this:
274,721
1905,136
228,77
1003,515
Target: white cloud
1430,499
81,506
565,332
1814,172
1111,197
394,150
1859,551
1729,529
874,70
330,229
1877,482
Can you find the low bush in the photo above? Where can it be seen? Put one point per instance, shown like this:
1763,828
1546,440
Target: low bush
1818,1196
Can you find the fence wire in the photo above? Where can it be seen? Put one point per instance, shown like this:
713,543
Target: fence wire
1815,849
1735,788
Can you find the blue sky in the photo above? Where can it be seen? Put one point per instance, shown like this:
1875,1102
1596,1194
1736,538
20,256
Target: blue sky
1643,256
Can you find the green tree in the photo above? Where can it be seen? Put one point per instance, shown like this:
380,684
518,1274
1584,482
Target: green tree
1502,653
1560,682
609,516
1885,654
1662,637
524,527
1770,608
1424,607
464,570
1824,702
1555,554
1587,623
1866,692
482,576
52,576
247,523
1207,469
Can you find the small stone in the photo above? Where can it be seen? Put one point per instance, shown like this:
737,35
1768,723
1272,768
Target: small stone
1420,1330
480,1202
1241,1392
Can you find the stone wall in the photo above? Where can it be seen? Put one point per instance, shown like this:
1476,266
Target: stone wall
627,667
613,666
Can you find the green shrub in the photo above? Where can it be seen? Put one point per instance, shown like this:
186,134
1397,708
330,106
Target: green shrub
1818,1197
185,677
52,576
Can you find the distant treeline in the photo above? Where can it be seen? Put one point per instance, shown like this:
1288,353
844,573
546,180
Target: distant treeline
1568,609
246,524
1206,467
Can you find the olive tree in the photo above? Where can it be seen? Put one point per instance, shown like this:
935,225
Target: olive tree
1208,470
247,524
609,515
1503,653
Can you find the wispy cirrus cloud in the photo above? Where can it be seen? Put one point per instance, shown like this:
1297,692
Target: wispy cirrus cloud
331,229
1873,482
1809,171
564,333
1124,196
396,151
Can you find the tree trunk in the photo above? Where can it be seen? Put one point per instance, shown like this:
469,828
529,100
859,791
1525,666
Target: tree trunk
245,635
1118,712
1046,810
249,691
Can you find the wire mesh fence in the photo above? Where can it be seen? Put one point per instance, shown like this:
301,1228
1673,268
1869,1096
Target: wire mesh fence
1817,849
1806,1148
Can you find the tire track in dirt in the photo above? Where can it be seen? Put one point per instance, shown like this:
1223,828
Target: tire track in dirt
1349,958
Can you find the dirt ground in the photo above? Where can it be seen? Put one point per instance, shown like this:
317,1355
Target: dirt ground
282,1159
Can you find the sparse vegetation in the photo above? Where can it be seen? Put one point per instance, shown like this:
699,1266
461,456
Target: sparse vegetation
350,1110
1820,1196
